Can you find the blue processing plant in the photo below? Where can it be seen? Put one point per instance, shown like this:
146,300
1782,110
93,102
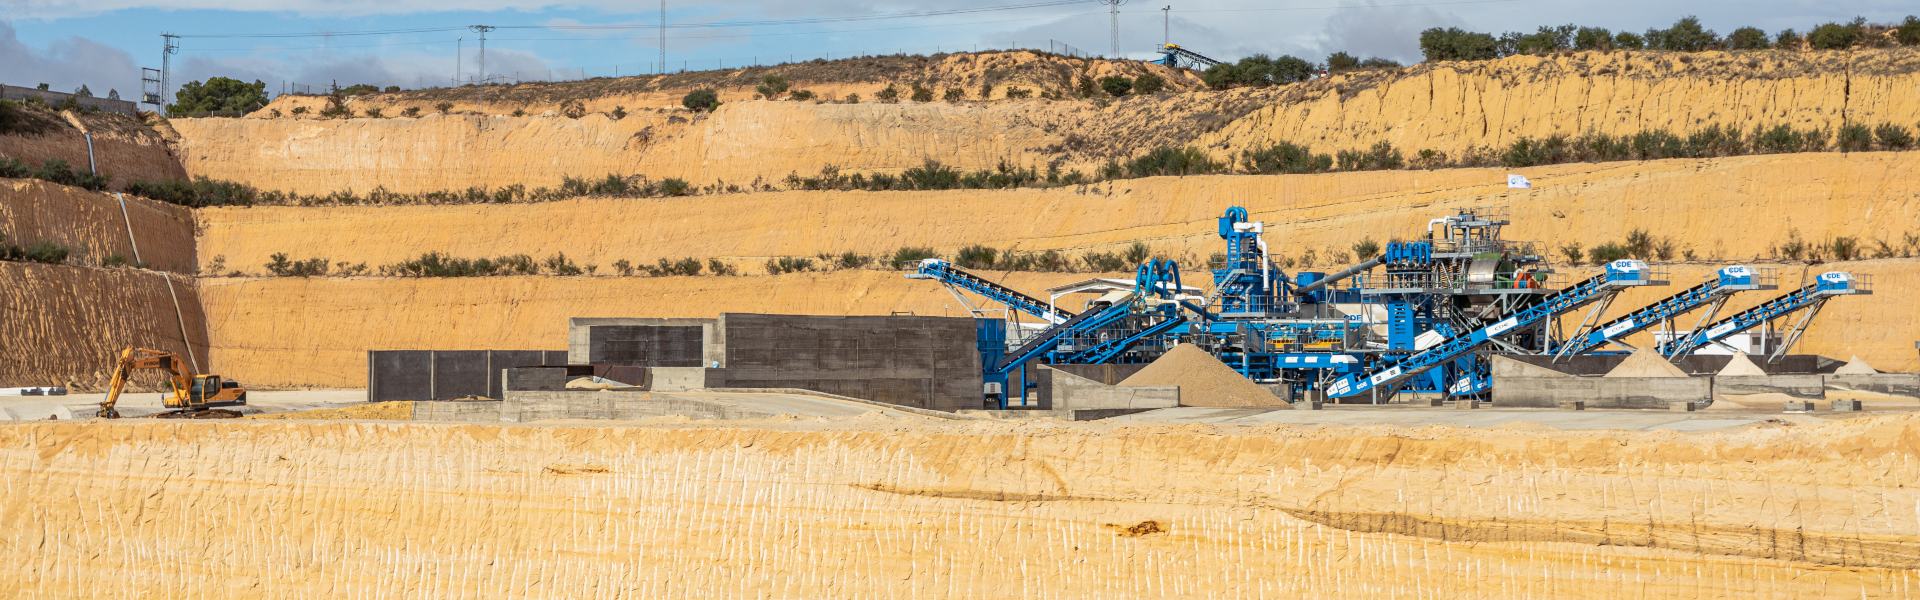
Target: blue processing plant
1422,316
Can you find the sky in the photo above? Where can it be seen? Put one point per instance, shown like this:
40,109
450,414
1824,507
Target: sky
303,45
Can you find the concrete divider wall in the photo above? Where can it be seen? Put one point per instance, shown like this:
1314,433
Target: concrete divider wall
1802,386
922,362
1072,392
644,342
445,374
1601,392
1904,384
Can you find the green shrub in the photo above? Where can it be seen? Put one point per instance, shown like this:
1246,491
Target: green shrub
922,94
1285,157
931,175
1366,249
1168,160
795,95
1017,93
772,86
559,264
672,186
954,94
435,264
1835,36
909,257
1608,252
976,257
1115,85
1104,262
1908,33
443,107
1149,84
1381,156
1573,252
701,100
789,264
1137,253
13,168
411,111
889,94
280,266
721,268
1854,138
1893,137
57,171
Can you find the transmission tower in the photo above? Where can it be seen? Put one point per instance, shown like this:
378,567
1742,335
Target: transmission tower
167,50
663,37
483,29
1113,12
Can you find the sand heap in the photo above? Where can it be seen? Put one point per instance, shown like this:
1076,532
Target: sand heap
1203,380
1646,363
1857,366
1741,366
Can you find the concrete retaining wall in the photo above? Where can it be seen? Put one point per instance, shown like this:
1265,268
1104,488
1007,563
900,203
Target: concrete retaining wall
1885,383
678,379
1601,392
922,362
529,406
1801,386
639,341
1072,392
445,374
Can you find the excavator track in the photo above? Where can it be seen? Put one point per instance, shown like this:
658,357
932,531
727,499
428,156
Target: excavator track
205,413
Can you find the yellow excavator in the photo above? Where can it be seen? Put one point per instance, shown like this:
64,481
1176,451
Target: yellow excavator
190,396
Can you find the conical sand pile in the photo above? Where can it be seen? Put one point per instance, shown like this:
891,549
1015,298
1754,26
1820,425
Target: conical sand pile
1857,366
1741,366
1646,363
1203,380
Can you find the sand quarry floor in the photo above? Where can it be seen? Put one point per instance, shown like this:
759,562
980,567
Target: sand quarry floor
880,505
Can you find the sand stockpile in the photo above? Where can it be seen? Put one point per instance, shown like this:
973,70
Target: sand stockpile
1203,380
1857,366
283,509
381,411
1741,366
1645,363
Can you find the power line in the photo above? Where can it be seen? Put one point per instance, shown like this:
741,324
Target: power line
661,25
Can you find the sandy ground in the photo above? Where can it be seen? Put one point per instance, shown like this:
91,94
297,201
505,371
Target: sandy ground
886,508
137,404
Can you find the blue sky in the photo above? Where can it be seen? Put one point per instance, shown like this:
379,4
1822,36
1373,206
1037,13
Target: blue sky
102,43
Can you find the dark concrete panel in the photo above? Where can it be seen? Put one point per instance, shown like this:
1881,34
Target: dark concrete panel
399,375
458,373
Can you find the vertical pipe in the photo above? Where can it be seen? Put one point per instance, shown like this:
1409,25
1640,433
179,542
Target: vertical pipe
91,166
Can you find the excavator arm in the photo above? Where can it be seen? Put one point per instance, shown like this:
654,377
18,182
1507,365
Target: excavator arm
146,358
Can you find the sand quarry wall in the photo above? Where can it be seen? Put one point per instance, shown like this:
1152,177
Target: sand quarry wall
64,325
1453,106
293,332
1730,208
123,149
981,509
1447,107
94,225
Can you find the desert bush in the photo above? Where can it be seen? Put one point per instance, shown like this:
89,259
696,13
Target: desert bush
1381,156
1748,38
772,86
921,93
954,94
673,186
57,171
436,264
573,109
1017,93
1366,249
411,111
908,257
1104,262
559,264
1854,137
701,100
789,264
1169,160
889,94
800,95
281,266
1608,252
721,268
976,257
1116,85
1836,36
1573,252
1148,84
1285,157
375,113
1893,137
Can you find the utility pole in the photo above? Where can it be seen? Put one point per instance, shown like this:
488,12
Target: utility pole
1113,11
1166,25
663,37
167,50
459,58
483,29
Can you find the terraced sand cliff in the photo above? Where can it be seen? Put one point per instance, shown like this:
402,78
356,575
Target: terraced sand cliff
880,509
159,235
1444,107
1731,209
66,325
124,149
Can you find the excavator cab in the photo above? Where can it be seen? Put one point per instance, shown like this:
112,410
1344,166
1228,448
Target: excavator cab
211,390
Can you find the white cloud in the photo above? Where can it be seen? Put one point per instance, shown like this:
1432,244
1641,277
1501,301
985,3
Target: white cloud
67,64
